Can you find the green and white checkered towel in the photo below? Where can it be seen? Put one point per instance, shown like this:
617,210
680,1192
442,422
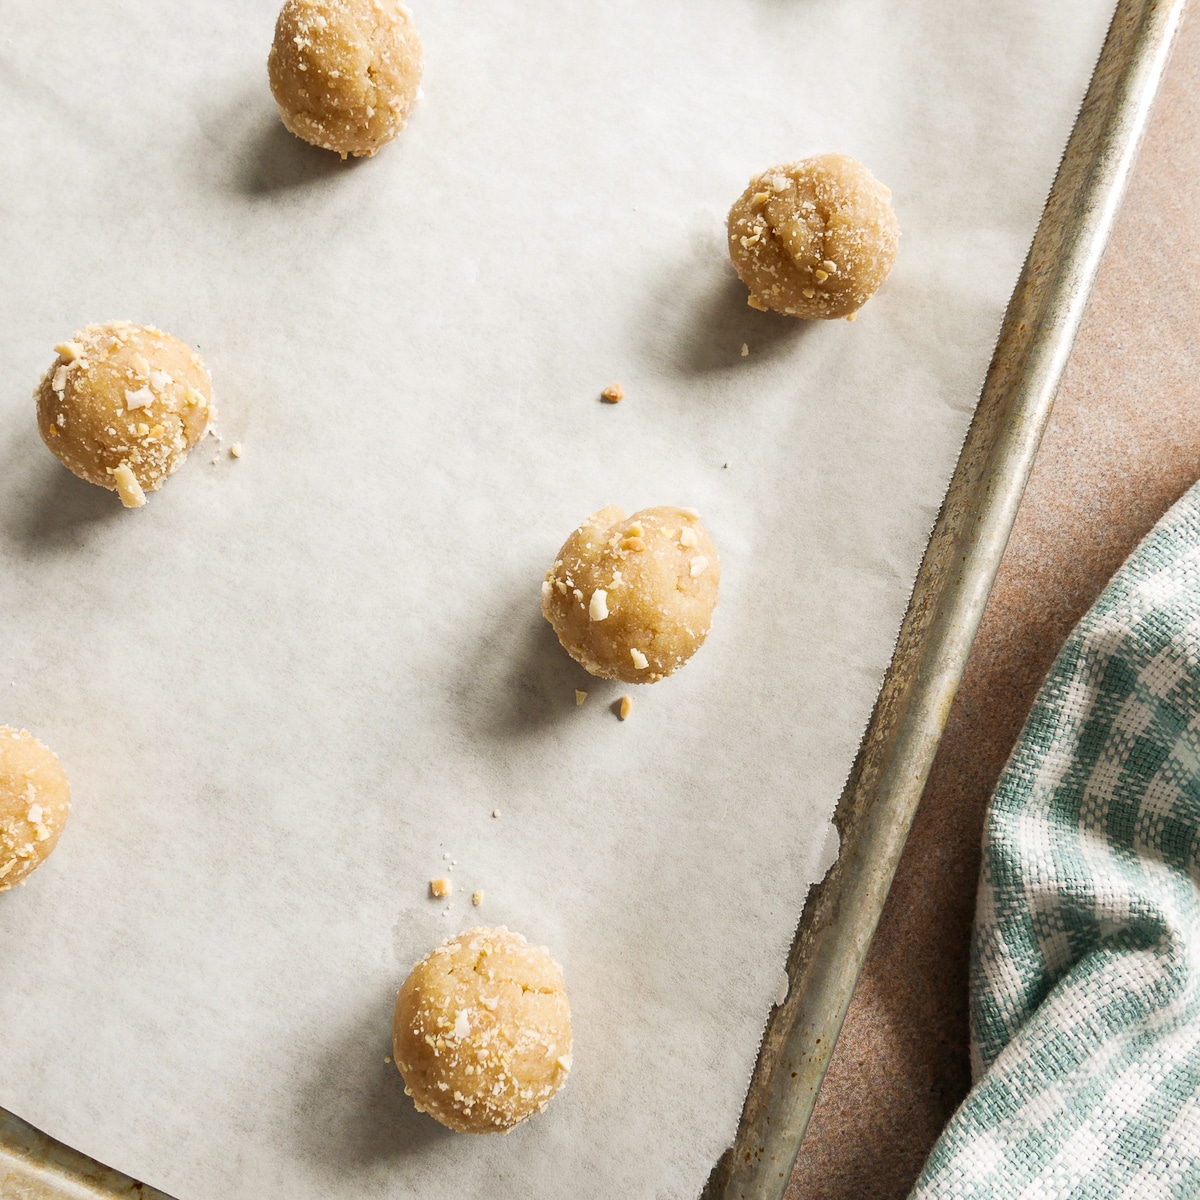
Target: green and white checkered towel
1086,957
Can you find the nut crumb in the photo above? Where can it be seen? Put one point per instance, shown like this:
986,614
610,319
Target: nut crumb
598,606
387,1058
128,487
614,393
639,659
439,888
624,707
495,812
141,398
477,898
580,697
687,537
699,566
235,451
745,350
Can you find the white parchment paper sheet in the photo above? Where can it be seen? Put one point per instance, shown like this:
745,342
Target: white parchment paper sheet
294,684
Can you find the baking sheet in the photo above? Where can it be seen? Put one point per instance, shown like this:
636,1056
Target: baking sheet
292,684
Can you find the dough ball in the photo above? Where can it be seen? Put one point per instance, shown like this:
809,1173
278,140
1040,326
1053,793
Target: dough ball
814,238
345,73
34,799
482,1031
122,405
632,598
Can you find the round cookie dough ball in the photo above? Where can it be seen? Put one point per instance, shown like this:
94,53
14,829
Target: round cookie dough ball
482,1031
814,238
34,799
122,405
345,73
632,598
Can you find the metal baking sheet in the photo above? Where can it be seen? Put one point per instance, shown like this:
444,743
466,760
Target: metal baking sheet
881,796
273,175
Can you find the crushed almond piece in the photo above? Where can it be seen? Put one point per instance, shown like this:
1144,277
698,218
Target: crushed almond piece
495,812
633,543
639,659
128,487
624,707
614,393
580,697
745,350
139,399
687,537
477,898
235,451
440,888
699,566
598,607
756,303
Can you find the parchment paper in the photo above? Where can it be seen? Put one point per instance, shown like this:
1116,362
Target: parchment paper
292,689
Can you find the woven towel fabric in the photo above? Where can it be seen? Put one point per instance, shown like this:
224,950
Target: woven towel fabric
1085,972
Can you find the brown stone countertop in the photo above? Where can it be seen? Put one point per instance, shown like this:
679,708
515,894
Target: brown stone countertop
1122,445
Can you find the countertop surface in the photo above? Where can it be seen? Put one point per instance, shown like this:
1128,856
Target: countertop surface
1122,445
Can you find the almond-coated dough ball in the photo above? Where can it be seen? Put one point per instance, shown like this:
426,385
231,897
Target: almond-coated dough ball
814,238
632,598
122,405
345,73
34,799
482,1031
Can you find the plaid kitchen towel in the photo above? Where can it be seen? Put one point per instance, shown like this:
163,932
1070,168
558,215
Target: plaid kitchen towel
1085,971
